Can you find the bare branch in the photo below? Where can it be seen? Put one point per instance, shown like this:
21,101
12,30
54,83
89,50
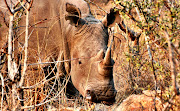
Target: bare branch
25,107
4,18
42,81
88,1
171,59
16,5
8,7
26,46
13,11
57,61
140,9
10,66
30,4
2,97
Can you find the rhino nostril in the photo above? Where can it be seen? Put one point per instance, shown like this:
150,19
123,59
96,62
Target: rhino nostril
88,96
80,62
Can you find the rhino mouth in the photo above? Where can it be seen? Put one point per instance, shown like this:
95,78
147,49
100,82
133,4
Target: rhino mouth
109,102
107,98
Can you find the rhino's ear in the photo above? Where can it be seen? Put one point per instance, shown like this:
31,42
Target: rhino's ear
111,18
74,14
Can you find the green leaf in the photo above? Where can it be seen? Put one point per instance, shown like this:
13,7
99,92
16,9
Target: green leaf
173,40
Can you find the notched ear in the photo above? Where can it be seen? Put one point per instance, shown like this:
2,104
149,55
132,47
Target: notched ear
74,14
111,18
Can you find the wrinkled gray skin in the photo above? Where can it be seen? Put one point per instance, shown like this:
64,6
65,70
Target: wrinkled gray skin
71,32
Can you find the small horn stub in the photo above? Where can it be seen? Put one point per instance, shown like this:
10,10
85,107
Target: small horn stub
100,54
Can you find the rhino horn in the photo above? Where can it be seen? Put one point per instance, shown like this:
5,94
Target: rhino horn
107,58
105,66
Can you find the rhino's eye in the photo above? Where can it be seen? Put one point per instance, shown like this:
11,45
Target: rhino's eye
80,62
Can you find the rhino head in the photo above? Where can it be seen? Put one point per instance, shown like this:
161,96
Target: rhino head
91,65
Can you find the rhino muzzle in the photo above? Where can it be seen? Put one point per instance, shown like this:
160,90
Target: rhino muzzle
106,97
104,91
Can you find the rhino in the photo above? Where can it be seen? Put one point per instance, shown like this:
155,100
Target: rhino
67,30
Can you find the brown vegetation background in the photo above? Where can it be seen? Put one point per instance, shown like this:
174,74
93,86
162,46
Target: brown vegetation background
146,51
